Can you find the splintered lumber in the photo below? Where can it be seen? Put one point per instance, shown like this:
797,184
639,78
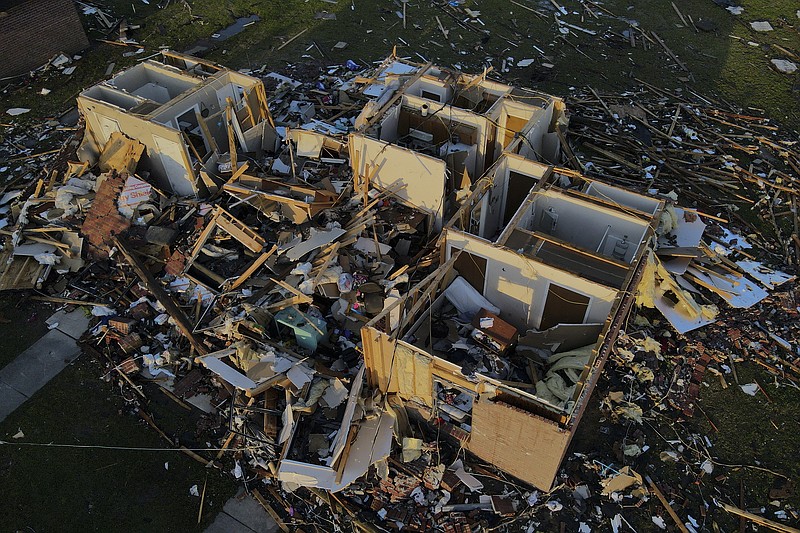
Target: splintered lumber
760,520
162,296
255,265
292,39
272,512
669,52
59,300
666,505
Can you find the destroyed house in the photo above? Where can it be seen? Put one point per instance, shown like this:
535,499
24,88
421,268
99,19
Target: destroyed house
503,344
447,128
186,112
428,230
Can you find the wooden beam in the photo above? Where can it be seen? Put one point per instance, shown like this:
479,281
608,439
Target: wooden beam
230,114
272,512
255,265
666,505
161,295
760,520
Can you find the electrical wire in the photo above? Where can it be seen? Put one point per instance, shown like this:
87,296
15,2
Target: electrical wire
121,448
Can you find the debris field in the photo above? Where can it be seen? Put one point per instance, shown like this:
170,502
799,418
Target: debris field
394,293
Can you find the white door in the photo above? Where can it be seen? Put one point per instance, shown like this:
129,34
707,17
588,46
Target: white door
171,154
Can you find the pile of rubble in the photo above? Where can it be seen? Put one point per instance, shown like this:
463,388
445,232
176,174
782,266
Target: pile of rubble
281,266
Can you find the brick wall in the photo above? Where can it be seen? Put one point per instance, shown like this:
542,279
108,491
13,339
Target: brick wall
33,31
103,220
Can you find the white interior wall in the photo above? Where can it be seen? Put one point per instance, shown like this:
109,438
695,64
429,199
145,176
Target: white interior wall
518,285
155,76
584,224
113,96
421,178
441,89
492,202
389,124
454,114
171,169
534,132
622,197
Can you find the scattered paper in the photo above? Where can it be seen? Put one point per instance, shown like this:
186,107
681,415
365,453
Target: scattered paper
785,66
750,388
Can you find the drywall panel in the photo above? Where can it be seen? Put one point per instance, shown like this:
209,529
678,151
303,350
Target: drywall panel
417,179
108,126
389,124
622,197
173,156
524,445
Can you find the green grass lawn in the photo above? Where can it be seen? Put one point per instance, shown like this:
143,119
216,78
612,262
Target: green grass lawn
22,322
731,62
65,489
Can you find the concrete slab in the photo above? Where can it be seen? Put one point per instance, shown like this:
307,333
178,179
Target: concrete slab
73,323
10,399
246,510
224,523
40,363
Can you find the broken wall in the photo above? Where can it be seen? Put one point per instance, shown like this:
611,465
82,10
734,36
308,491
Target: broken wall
454,116
166,154
504,198
592,227
526,446
417,179
516,440
519,285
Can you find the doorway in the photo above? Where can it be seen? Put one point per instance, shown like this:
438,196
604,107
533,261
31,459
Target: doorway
519,185
563,306
472,268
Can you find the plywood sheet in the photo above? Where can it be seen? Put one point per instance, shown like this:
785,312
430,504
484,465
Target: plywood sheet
524,445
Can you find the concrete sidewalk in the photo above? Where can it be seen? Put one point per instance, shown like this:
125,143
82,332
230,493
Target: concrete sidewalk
33,368
242,514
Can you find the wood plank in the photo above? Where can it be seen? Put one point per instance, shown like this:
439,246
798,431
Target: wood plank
161,295
760,520
241,233
667,506
255,265
272,512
